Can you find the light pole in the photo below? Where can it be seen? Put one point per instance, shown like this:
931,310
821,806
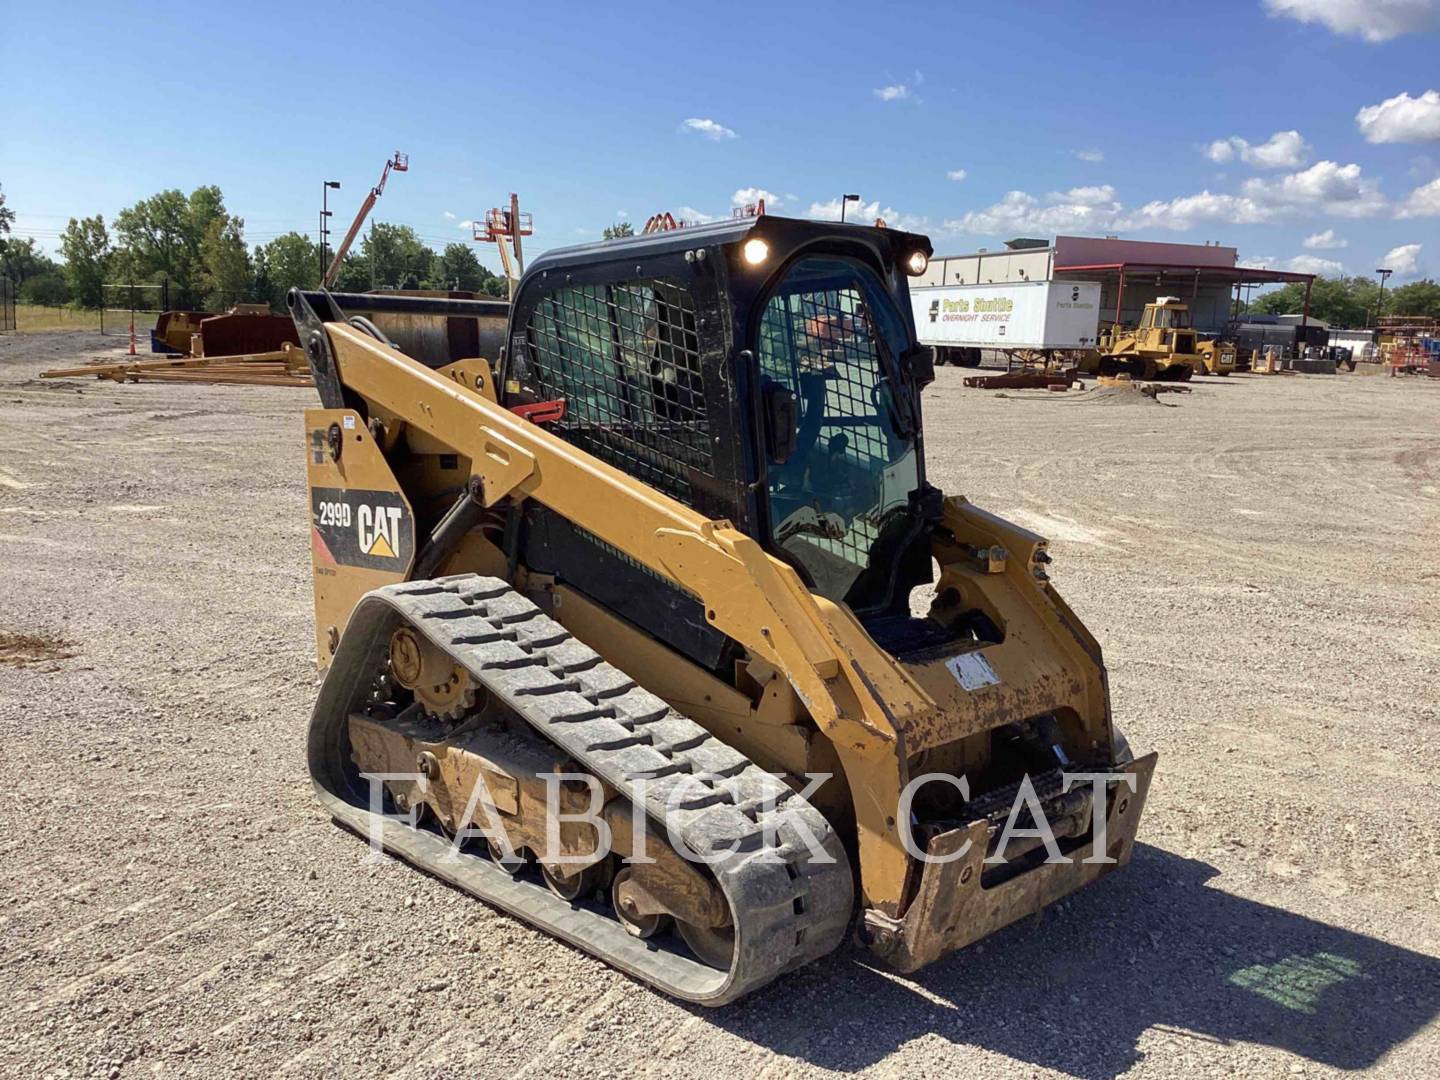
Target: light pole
844,199
325,220
1380,303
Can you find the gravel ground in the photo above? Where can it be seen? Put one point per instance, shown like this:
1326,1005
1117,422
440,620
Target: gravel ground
1257,557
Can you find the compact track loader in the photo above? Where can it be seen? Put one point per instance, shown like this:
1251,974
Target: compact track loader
618,623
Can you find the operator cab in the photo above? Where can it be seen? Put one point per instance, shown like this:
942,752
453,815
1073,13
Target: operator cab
763,371
1167,313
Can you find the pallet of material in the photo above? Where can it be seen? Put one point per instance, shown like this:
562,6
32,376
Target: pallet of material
285,366
1023,380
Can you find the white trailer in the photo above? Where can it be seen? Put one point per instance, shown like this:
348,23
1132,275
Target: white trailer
958,321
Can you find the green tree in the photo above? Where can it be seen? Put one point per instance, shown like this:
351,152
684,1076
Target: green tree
264,287
228,274
7,219
291,261
154,237
619,229
457,268
47,289
23,259
1417,298
397,257
354,273
85,244
495,285
164,236
1338,301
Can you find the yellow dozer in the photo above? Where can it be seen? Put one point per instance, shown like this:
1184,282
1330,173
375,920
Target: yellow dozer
617,631
1162,347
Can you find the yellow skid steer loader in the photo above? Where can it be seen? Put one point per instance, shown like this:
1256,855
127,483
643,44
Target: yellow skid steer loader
617,625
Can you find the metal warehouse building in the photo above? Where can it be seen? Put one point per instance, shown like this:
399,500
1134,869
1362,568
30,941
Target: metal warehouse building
1131,274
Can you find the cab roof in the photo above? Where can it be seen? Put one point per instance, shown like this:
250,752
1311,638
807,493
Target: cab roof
782,232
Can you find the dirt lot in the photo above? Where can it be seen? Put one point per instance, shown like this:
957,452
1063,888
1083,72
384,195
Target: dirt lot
1259,561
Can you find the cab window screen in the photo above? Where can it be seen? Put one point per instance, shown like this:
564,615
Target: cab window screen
625,357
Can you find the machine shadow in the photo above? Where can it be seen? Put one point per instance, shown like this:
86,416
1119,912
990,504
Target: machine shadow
1152,946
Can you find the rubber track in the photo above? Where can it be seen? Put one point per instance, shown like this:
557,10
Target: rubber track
787,907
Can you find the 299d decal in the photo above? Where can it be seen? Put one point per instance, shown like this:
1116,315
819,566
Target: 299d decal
370,529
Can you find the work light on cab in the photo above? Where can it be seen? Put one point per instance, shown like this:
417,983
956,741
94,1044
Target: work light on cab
755,251
917,262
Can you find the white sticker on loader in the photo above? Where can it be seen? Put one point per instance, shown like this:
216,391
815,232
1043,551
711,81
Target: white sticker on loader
972,670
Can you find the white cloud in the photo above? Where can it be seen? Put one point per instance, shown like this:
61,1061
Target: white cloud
900,91
1085,196
1087,209
1314,264
1404,260
1220,151
1223,150
1402,119
691,216
864,213
1283,150
746,195
1374,20
449,216
1336,189
1424,201
1324,241
466,224
1299,264
708,128
956,174
1325,188
1094,156
622,214
1186,211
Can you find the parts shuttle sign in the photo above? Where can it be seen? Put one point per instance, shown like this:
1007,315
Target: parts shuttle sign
1025,315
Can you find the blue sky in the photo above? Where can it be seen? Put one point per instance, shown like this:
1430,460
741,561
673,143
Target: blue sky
1238,121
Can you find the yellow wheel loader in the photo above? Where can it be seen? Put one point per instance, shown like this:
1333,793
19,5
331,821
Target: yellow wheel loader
1162,347
617,623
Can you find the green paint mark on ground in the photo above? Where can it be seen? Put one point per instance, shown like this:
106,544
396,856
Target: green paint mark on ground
1297,982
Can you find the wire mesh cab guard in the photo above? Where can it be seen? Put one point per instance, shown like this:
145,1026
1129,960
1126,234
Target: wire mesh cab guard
625,358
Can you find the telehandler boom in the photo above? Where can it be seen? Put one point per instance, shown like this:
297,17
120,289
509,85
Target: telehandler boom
617,622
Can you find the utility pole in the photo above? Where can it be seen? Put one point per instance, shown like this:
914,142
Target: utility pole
325,220
1380,303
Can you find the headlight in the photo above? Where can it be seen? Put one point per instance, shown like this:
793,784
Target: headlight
917,263
755,251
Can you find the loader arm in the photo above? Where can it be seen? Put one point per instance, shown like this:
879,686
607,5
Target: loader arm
856,693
